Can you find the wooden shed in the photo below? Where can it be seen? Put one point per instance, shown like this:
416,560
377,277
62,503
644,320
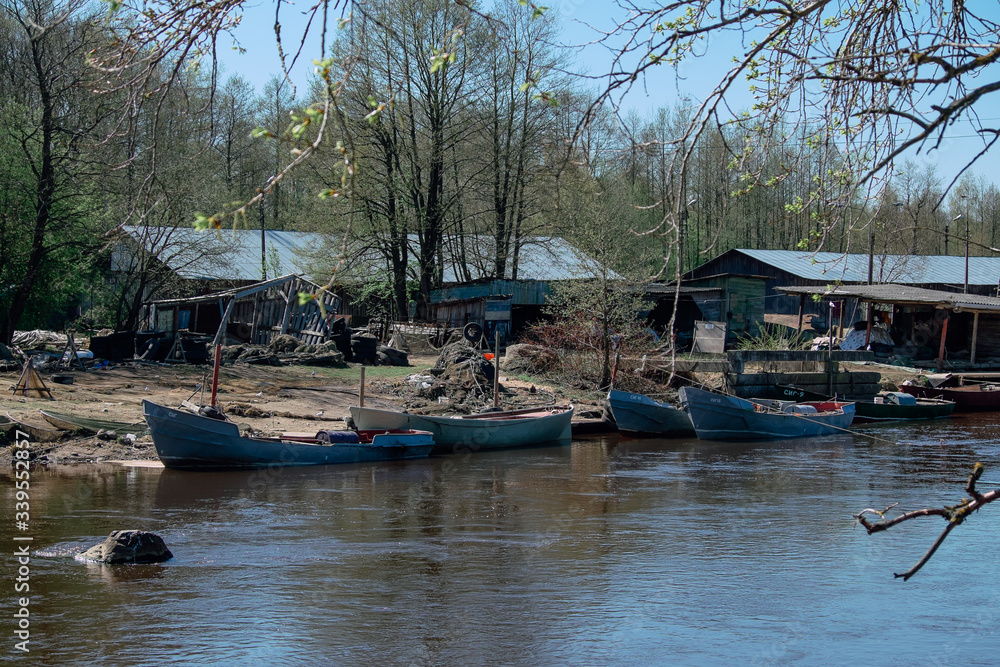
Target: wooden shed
252,314
735,299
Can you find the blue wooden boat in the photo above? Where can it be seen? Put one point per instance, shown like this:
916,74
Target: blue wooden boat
641,416
189,441
479,432
720,417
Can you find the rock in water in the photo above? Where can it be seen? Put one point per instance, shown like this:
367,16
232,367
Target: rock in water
128,546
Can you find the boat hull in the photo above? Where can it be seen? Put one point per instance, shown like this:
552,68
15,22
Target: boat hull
459,435
970,398
188,441
870,412
641,416
873,413
35,432
718,417
85,425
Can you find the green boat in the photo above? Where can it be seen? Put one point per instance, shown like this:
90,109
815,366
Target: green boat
88,425
888,406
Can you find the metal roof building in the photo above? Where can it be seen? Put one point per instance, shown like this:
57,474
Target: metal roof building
235,256
823,269
931,310
226,255
833,267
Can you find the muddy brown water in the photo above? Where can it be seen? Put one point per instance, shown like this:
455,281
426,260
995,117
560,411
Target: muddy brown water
603,552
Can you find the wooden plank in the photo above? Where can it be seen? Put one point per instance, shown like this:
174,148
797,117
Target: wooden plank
975,333
944,336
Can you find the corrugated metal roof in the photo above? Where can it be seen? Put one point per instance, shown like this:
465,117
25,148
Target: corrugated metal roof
229,255
547,258
911,269
903,294
205,255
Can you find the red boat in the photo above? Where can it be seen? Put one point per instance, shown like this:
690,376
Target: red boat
968,398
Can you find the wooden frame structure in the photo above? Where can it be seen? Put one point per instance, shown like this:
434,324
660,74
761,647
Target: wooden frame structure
950,303
253,314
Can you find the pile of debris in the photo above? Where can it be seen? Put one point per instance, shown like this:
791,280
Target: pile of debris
287,350
284,350
531,359
462,379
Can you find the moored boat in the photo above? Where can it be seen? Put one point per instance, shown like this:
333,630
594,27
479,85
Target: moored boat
481,432
967,398
640,415
89,425
720,417
35,430
189,441
886,407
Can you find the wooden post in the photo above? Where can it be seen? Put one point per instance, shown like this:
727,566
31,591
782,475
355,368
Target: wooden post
802,308
361,392
287,316
496,370
871,320
225,321
975,333
843,307
215,372
944,335
254,319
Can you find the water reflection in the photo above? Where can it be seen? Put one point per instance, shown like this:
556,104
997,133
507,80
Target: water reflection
608,551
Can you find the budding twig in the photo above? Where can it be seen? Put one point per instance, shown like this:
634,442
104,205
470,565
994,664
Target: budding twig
954,514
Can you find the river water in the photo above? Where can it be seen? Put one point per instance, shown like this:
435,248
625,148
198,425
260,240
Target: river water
606,552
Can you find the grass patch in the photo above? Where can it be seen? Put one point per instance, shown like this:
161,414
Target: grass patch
352,374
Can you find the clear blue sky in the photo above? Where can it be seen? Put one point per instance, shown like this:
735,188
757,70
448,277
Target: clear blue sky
661,89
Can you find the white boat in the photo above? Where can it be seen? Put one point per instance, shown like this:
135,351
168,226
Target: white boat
480,432
640,415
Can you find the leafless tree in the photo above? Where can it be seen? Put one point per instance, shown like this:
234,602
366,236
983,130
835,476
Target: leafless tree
859,84
955,515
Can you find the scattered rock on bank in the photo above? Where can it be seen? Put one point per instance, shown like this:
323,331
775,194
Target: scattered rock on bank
128,546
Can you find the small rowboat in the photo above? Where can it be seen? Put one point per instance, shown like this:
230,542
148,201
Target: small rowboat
185,440
886,407
480,432
640,415
721,417
967,398
88,425
35,430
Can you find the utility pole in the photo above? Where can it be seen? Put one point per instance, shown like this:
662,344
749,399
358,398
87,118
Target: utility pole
966,214
263,251
871,249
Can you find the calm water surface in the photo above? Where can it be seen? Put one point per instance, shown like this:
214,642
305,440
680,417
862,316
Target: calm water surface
607,552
